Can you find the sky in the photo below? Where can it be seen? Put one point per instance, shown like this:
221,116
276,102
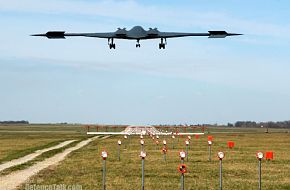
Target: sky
194,80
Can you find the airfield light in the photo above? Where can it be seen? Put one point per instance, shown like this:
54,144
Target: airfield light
259,155
157,142
104,154
173,136
125,137
181,168
182,155
164,150
186,142
119,142
141,136
209,150
143,154
142,142
189,137
157,137
221,155
164,142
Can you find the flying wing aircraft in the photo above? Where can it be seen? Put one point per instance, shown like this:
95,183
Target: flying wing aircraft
136,33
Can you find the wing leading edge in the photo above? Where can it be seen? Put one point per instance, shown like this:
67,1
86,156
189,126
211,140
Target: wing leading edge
63,35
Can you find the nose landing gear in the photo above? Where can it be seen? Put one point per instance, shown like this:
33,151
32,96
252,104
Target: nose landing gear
138,44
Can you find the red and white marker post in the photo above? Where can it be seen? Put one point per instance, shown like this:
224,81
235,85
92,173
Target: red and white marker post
209,149
119,148
221,156
142,155
125,143
260,156
104,155
173,138
157,143
164,149
186,145
182,168
142,142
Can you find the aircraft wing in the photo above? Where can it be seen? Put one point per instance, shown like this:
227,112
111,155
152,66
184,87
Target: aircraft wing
210,34
63,35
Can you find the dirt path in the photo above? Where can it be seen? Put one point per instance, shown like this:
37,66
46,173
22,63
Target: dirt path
31,156
15,179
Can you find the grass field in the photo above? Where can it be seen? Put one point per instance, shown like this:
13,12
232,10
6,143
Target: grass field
84,166
19,140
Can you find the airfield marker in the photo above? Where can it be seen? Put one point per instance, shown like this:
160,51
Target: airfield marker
173,137
164,142
259,156
189,139
104,155
125,137
221,155
187,144
209,150
164,150
182,168
119,147
231,144
142,155
157,142
142,144
269,155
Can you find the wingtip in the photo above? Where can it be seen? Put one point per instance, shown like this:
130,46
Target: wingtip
235,34
37,35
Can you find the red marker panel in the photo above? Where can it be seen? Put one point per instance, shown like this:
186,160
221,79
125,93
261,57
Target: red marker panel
209,138
269,155
231,144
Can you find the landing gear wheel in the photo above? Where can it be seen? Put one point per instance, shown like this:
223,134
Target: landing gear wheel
161,46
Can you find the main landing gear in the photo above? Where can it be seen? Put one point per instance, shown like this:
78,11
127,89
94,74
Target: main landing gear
138,44
111,44
162,45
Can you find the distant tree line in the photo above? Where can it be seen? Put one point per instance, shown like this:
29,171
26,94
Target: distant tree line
270,124
14,122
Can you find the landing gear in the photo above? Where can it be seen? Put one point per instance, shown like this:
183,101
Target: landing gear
111,44
138,44
162,45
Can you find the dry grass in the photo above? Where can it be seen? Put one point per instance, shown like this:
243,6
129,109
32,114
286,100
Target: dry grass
84,166
17,141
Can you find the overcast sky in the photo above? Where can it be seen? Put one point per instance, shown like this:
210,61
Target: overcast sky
194,80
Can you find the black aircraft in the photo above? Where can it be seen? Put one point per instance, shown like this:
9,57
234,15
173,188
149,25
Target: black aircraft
136,33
